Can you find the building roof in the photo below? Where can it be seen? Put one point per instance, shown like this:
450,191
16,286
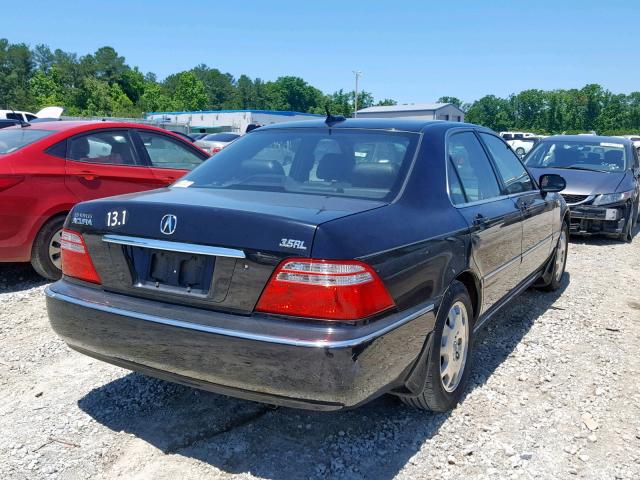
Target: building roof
268,112
408,107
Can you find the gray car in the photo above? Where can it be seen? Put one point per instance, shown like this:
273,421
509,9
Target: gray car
215,142
603,180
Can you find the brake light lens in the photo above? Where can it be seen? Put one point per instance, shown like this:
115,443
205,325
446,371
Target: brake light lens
76,261
8,181
325,289
215,150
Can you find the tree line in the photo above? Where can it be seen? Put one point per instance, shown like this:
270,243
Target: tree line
103,84
591,108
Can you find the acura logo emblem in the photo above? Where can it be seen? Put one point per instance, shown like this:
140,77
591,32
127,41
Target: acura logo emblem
168,224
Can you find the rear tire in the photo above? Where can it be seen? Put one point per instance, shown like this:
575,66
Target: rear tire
520,151
449,359
559,263
45,254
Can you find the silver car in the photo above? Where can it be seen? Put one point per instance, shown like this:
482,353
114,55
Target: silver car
215,142
603,180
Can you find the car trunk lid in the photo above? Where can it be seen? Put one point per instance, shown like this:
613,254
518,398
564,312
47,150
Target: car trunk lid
204,247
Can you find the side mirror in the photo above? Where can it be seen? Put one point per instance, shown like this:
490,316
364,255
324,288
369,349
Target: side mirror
552,183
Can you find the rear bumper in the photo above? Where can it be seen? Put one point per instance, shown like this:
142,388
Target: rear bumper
297,364
586,219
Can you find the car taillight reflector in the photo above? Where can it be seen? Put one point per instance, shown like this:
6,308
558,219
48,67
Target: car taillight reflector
325,289
76,261
8,181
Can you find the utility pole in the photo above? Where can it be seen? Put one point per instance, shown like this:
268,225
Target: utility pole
357,73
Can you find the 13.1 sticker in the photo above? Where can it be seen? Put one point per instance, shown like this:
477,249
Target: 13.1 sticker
116,218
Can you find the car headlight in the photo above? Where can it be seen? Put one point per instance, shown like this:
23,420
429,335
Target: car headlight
607,198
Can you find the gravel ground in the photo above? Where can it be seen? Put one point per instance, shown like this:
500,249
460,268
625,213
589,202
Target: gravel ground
555,393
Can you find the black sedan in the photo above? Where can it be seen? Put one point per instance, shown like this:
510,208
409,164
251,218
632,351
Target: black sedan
315,264
603,180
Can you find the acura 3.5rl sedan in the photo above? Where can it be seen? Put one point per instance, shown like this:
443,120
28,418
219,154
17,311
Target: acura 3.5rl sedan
315,264
603,180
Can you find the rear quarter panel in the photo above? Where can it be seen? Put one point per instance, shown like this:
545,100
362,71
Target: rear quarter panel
27,206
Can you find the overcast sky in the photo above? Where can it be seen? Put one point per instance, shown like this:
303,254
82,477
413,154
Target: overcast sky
411,51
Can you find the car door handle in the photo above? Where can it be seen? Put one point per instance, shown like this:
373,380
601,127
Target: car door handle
480,221
87,175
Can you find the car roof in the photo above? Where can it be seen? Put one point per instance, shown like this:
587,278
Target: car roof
401,124
78,126
587,139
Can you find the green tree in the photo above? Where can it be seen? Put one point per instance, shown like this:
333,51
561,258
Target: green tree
190,93
453,100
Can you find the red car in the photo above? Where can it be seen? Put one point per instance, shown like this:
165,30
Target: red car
46,168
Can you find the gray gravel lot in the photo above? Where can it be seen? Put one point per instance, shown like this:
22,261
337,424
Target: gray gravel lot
555,393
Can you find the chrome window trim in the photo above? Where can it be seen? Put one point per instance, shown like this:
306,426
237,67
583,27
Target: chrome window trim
174,246
352,342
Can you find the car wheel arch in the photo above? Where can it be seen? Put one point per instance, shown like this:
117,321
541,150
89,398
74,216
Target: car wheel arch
472,284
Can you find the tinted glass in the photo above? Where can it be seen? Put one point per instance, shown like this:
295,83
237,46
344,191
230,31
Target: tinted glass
514,175
472,165
106,147
350,163
11,139
579,155
165,152
220,137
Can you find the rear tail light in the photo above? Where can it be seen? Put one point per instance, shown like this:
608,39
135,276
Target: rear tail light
8,181
325,289
76,261
215,150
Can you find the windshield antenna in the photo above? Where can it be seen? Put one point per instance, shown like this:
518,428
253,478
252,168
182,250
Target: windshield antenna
332,119
22,122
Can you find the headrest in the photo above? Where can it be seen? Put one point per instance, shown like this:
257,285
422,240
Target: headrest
262,167
335,166
613,156
374,175
80,148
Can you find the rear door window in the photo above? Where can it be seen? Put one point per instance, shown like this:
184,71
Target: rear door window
110,147
12,139
166,152
514,175
475,175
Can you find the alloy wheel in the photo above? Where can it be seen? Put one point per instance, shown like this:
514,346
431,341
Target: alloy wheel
454,346
55,249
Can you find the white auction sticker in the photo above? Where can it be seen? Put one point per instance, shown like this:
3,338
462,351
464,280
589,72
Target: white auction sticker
182,184
611,214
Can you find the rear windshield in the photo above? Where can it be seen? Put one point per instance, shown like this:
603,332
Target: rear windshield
221,137
11,139
579,155
350,163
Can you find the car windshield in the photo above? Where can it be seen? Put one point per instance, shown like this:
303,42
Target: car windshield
221,137
12,139
317,161
599,156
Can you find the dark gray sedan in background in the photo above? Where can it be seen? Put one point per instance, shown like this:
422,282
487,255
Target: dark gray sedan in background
603,180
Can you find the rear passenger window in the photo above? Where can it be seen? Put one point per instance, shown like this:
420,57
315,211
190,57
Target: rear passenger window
165,152
514,175
106,147
476,177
